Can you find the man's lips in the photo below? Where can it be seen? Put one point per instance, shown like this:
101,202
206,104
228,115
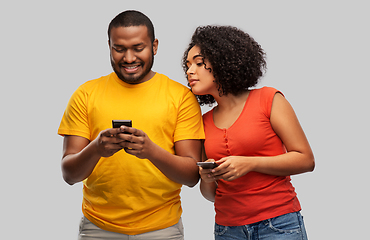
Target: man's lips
131,68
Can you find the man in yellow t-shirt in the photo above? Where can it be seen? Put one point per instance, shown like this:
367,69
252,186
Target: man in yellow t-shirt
132,176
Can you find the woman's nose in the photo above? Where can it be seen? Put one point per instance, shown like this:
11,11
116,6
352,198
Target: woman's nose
190,70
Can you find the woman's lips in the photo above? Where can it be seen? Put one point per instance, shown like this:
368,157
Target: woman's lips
192,81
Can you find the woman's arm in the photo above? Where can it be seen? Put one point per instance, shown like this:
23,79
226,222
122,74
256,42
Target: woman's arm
298,159
208,184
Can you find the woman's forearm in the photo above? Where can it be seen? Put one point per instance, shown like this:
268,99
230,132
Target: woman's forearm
208,190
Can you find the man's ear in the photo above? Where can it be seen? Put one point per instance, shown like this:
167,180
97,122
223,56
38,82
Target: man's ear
155,46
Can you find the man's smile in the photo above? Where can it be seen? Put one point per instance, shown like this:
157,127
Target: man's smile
131,68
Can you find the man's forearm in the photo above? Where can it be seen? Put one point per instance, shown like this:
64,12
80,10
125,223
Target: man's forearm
78,166
180,169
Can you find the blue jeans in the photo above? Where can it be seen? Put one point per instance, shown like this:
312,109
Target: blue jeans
285,227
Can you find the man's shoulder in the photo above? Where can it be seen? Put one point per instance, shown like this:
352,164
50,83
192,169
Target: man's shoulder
172,83
90,84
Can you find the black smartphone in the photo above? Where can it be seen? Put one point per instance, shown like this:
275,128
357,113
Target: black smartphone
119,123
207,165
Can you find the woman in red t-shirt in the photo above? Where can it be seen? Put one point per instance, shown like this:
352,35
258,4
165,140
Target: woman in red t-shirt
252,134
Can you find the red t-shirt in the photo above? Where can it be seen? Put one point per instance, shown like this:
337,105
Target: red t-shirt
255,196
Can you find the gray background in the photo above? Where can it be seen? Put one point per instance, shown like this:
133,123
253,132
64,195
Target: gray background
317,54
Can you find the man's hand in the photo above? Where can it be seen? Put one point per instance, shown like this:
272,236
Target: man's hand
109,142
80,156
179,167
135,142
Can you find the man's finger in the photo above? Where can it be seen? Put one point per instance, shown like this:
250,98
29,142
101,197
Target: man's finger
111,132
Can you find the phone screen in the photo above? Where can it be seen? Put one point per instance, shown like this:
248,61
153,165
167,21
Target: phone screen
119,123
207,165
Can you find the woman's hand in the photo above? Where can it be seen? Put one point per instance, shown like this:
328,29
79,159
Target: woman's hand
232,167
206,174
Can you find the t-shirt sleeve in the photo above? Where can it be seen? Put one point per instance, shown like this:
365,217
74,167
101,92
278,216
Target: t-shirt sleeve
266,98
74,120
189,122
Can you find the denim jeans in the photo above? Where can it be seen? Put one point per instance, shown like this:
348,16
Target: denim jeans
285,227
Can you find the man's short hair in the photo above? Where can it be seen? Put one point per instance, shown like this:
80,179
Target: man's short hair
131,18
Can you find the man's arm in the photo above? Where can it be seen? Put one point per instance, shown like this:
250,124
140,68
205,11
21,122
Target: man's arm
190,153
180,168
80,156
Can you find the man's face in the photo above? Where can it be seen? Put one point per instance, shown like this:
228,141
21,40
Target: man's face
132,53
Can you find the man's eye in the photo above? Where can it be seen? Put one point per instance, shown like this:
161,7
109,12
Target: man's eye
139,49
119,50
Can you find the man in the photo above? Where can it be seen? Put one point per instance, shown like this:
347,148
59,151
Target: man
132,175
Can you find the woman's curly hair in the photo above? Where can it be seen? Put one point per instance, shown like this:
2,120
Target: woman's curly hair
237,60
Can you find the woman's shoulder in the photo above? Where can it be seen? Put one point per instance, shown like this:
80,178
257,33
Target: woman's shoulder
265,90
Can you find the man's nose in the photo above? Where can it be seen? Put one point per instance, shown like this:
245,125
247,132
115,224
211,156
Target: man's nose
129,56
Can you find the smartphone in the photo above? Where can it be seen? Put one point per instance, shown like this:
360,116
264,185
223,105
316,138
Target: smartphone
119,123
207,165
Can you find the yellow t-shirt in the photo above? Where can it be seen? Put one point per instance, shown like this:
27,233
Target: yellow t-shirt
124,193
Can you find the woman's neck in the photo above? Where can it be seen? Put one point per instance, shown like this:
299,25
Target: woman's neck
228,109
227,102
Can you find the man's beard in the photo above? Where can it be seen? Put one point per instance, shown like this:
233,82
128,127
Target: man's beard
135,79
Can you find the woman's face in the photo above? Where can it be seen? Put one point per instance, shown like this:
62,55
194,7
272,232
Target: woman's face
200,77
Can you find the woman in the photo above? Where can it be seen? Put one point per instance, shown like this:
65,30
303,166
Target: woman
252,134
